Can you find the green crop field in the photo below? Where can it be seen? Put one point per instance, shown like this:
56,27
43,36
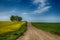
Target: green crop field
49,27
11,30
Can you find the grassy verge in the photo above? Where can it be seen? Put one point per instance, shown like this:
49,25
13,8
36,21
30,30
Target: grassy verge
49,27
13,35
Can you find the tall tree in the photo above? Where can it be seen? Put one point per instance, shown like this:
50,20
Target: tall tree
19,18
12,18
15,18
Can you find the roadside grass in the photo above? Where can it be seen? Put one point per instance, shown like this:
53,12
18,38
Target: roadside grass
49,27
13,31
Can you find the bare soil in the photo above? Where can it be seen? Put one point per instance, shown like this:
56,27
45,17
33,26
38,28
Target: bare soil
33,33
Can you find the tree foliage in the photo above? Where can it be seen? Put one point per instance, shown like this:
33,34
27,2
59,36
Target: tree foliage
15,18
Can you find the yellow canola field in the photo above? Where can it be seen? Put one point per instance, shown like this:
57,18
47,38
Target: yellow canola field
14,26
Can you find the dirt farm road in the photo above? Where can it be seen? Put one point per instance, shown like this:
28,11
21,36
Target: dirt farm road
33,33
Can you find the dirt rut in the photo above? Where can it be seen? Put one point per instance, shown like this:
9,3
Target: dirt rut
33,33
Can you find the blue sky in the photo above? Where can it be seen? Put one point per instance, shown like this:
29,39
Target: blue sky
31,10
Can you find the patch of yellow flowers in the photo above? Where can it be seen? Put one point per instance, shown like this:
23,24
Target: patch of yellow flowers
9,28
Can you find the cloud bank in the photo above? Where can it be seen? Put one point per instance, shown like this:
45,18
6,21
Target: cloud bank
42,6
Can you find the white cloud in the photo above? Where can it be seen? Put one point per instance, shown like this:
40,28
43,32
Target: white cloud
5,15
41,10
24,13
40,1
4,18
12,12
42,6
